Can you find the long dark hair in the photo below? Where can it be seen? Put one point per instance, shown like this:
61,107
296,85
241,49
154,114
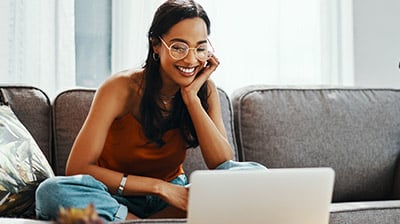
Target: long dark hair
152,121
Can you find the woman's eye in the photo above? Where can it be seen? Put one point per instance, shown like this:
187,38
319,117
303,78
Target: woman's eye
201,49
179,48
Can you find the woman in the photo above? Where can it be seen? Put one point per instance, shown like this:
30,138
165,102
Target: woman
133,143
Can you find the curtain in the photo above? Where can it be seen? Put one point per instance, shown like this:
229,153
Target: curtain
276,42
37,44
130,23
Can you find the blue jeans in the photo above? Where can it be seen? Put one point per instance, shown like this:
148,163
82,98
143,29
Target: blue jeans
80,190
233,165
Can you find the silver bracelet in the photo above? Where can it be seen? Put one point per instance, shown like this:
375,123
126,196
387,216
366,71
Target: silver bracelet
122,184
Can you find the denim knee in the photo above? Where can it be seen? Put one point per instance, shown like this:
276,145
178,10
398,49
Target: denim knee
47,199
78,192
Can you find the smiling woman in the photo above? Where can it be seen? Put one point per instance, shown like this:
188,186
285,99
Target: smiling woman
144,120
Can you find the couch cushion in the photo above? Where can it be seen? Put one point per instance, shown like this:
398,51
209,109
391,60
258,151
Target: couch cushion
70,109
72,106
32,107
354,131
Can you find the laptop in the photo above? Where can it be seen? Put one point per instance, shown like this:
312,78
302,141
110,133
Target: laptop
277,196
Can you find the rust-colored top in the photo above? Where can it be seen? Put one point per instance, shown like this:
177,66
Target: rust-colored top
127,150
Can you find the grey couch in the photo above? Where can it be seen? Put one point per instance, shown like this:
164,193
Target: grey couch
354,131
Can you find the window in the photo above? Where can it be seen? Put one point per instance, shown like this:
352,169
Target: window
92,41
276,42
56,45
37,43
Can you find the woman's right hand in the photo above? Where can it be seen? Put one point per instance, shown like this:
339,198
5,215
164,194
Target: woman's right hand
175,195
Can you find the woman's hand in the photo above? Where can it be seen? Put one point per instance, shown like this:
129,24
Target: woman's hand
175,195
193,88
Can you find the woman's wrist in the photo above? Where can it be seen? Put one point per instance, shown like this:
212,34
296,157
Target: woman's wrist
121,186
159,187
192,101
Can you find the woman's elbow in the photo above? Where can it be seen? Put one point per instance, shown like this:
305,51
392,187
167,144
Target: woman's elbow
74,168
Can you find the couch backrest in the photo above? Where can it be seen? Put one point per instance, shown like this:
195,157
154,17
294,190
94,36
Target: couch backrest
32,107
354,131
71,107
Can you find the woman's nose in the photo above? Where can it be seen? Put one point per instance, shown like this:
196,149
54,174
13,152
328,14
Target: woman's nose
191,57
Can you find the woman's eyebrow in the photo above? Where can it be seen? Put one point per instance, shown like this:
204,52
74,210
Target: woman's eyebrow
184,41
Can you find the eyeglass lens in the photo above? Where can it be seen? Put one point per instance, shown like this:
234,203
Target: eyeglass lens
180,50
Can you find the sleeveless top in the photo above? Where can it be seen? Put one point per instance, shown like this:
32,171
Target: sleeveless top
127,150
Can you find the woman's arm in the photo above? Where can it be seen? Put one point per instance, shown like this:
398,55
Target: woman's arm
209,125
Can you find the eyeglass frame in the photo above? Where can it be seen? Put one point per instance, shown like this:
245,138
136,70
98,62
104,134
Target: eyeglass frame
188,49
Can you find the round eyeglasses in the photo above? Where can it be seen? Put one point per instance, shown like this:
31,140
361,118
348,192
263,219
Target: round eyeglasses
179,50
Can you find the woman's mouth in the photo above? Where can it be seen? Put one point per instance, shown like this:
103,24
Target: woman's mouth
186,71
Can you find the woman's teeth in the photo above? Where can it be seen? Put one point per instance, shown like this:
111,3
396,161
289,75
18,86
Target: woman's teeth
186,70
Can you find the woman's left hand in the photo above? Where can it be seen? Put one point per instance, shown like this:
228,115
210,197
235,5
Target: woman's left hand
175,195
193,88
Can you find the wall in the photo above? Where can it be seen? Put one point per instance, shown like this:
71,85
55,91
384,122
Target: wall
376,43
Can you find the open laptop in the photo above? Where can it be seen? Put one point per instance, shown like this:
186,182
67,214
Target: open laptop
276,196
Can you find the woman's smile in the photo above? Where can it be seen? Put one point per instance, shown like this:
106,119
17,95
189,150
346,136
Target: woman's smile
186,71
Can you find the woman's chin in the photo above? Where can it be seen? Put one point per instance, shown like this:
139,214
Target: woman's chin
187,75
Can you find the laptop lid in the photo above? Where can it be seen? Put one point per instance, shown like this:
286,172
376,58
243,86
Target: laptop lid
278,196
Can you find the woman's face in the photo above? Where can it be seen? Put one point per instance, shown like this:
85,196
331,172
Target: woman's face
182,72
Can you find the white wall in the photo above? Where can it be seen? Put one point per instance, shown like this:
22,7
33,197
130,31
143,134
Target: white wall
376,43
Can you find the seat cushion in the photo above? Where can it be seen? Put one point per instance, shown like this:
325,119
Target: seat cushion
387,212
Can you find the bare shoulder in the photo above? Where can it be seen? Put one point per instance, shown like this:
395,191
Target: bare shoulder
123,83
122,90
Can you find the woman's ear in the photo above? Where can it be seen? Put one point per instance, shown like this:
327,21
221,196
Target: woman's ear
156,49
155,44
